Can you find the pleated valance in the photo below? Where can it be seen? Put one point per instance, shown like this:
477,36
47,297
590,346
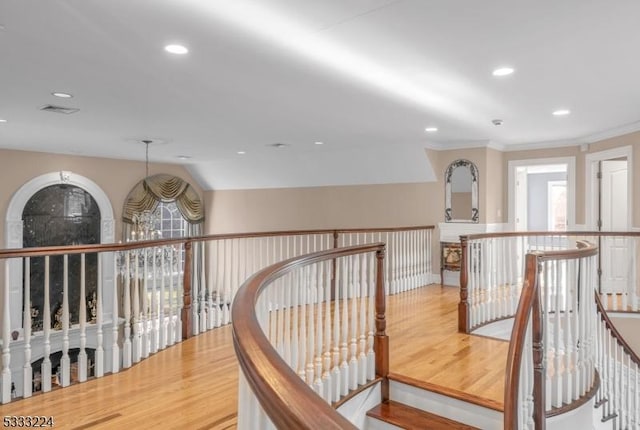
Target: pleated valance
163,187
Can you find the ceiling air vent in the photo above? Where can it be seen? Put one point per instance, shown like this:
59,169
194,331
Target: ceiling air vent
59,109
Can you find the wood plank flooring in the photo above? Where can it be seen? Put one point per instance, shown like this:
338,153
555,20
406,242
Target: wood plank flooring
193,385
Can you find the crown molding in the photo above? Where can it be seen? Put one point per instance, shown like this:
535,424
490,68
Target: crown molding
590,138
466,144
613,132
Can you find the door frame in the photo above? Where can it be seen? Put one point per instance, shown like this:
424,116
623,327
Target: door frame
591,181
571,186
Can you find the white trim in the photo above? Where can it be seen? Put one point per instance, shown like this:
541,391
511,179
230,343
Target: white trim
590,180
571,186
467,144
14,225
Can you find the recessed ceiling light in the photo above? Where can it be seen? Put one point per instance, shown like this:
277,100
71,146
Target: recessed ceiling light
503,71
241,152
561,112
176,49
431,129
183,157
3,120
62,95
319,143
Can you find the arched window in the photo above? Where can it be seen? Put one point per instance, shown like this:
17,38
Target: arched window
178,210
170,222
60,215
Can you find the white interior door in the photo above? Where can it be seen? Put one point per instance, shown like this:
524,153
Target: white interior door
615,262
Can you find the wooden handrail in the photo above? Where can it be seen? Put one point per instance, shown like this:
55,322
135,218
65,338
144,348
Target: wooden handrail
110,247
614,332
549,233
284,396
516,343
530,303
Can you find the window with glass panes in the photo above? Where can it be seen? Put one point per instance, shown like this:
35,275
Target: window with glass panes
170,221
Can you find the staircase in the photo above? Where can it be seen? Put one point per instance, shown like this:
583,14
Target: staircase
391,415
418,405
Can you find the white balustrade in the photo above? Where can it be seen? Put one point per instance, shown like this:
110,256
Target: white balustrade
140,313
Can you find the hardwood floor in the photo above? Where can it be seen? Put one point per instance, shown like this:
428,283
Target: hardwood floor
426,348
193,385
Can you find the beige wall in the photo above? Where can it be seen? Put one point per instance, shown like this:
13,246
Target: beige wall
321,207
490,183
115,177
632,140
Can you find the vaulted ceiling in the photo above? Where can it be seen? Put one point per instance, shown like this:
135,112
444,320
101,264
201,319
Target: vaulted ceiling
364,77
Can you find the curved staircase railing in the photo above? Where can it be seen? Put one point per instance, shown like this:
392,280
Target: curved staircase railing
492,270
152,294
619,395
305,338
551,366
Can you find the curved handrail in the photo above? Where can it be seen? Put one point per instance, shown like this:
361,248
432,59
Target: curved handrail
614,332
108,247
286,398
548,233
529,303
516,343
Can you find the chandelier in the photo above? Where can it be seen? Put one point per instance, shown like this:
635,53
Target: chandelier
144,226
145,222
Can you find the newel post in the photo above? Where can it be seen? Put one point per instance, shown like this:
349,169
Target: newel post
463,306
186,292
381,340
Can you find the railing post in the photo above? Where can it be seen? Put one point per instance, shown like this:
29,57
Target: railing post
463,306
186,292
539,416
381,340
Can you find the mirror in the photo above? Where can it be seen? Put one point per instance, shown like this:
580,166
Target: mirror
461,192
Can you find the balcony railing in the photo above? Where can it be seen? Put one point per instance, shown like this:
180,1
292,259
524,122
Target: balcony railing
149,297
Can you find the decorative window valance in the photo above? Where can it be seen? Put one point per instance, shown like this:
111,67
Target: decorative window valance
163,187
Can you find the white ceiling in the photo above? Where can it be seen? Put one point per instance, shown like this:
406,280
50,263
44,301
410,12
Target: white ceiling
363,76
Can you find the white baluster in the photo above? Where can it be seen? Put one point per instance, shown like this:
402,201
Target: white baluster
46,326
226,281
354,269
64,378
115,348
27,370
202,285
162,319
326,357
318,385
287,302
99,354
302,331
308,303
362,339
137,336
153,308
6,336
82,319
211,317
336,374
344,329
126,342
173,311
144,311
